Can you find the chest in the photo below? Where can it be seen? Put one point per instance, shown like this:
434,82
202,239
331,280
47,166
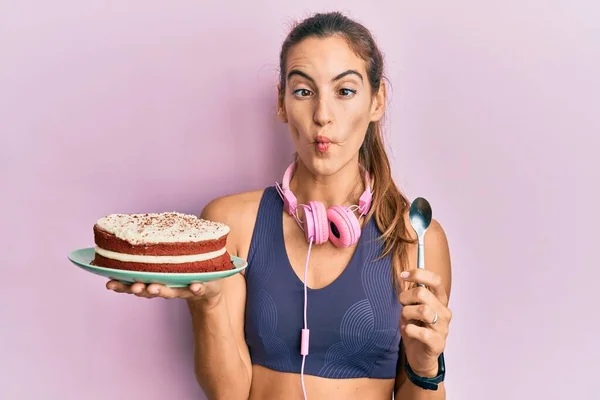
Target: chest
326,262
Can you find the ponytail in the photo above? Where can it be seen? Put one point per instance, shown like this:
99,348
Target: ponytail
389,204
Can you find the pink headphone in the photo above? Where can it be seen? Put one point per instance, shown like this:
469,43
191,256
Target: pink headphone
338,223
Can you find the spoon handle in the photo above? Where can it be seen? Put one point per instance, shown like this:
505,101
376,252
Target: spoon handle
421,257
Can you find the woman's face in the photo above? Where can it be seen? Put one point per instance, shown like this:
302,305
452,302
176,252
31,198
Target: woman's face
328,103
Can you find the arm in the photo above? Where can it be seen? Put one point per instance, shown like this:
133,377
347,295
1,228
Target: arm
221,357
438,274
406,390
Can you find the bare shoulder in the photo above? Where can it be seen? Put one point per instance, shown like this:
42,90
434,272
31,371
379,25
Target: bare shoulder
239,212
437,251
227,208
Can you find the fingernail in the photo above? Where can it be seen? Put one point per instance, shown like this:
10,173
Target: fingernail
404,274
153,290
195,288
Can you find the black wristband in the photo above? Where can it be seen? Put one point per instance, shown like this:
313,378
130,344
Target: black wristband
423,382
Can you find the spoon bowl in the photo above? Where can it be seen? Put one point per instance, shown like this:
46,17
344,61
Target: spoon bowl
420,216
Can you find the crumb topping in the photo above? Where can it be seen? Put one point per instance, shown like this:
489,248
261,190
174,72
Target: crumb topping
161,227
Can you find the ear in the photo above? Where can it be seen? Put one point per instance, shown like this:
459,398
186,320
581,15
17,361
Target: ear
281,114
378,103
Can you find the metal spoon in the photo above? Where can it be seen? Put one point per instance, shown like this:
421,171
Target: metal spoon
420,218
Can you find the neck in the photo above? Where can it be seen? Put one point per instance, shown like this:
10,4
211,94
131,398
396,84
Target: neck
343,187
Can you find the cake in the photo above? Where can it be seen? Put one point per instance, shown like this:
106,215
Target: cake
161,242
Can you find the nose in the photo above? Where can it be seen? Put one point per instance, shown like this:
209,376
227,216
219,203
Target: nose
322,114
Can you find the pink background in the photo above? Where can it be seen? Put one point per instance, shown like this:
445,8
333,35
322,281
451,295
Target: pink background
109,106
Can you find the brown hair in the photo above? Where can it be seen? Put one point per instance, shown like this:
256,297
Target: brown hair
389,204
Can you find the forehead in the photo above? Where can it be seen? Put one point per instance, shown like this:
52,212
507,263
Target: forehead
324,57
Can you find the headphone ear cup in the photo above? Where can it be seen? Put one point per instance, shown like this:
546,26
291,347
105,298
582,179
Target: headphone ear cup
315,222
344,229
321,223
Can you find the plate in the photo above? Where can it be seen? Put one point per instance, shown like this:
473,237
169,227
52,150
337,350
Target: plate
83,257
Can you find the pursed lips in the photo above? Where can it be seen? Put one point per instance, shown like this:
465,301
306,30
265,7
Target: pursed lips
322,143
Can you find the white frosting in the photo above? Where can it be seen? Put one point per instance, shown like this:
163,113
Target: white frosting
158,259
169,227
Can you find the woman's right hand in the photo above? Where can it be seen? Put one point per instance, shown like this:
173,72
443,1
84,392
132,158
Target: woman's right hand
200,290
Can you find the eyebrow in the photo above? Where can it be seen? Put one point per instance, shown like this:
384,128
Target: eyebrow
336,78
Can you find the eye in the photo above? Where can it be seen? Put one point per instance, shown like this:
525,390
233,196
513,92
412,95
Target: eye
345,92
302,92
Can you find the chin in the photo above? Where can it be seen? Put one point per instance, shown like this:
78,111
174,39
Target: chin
321,164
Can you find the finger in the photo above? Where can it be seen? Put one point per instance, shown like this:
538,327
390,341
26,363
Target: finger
424,313
118,287
434,342
429,279
420,295
166,292
139,289
198,289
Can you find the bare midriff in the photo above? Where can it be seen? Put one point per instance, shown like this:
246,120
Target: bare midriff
272,385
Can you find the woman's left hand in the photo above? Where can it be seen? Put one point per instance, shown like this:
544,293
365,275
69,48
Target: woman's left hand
424,341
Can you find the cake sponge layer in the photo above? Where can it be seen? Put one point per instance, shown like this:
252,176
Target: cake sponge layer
221,263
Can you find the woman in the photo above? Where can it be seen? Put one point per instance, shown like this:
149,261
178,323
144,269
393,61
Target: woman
356,279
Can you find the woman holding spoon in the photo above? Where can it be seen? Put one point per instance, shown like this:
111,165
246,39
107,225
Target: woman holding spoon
332,304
